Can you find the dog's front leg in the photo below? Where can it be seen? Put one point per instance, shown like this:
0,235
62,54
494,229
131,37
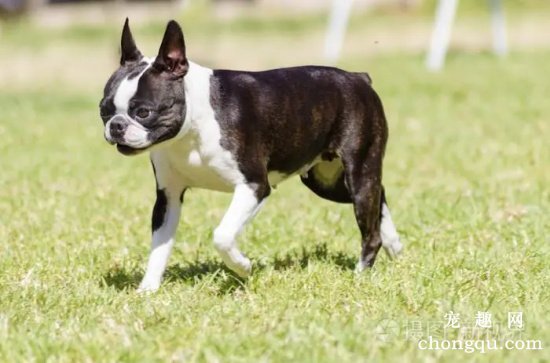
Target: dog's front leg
247,201
166,215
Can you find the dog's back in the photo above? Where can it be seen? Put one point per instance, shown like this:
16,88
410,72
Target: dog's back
290,116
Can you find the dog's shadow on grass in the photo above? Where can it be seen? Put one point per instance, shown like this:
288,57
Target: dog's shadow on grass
319,252
123,279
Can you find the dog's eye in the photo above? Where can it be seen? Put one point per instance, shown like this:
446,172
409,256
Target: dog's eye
143,113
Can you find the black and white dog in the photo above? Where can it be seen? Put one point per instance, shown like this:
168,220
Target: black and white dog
244,132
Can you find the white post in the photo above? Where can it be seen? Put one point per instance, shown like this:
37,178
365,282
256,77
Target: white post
337,29
441,34
500,44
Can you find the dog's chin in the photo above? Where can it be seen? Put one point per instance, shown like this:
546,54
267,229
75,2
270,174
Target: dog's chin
128,150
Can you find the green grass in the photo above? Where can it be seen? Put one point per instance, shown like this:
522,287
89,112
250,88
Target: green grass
466,175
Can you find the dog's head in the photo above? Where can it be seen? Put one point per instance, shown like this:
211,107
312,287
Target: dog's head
143,102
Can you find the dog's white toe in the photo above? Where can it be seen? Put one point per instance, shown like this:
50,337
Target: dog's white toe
360,267
393,247
244,271
148,287
243,267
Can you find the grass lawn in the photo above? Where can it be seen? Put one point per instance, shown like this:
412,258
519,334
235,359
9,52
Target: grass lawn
467,176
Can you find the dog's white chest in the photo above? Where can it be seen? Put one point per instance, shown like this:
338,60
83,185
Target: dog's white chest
195,167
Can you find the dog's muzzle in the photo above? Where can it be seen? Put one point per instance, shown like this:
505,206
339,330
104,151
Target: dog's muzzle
127,134
116,129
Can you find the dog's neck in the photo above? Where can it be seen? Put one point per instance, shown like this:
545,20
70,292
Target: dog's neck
200,130
197,97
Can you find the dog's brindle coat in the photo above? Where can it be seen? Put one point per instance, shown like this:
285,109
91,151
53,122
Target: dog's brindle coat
245,132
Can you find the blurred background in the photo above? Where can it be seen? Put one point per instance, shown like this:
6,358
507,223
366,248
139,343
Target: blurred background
75,42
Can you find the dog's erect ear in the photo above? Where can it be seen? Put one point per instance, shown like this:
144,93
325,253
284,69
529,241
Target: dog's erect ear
128,49
172,58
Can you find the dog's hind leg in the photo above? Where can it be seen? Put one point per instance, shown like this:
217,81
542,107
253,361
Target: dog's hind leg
390,239
364,183
362,157
247,201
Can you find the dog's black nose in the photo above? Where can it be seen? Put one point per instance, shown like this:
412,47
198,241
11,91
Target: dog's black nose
117,127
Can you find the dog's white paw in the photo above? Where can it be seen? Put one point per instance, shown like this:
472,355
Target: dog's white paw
244,270
243,267
360,267
393,247
148,287
235,260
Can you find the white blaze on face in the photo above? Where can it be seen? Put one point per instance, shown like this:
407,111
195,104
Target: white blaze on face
135,134
127,89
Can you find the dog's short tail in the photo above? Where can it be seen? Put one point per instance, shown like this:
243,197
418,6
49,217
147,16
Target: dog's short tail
365,76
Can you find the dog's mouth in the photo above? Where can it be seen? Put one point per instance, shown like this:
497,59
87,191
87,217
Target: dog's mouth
128,150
